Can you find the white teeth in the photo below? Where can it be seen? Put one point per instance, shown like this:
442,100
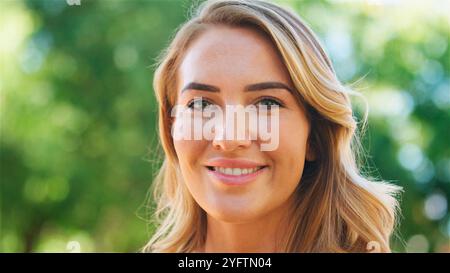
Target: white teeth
235,171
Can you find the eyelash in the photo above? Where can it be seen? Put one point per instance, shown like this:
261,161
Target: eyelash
191,103
272,100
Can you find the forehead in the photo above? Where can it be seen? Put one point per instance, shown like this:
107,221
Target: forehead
225,53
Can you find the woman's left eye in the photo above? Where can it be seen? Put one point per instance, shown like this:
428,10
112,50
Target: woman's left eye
269,102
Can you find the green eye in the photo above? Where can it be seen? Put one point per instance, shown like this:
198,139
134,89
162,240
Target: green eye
269,103
198,104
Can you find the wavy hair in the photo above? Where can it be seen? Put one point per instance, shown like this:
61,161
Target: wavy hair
337,209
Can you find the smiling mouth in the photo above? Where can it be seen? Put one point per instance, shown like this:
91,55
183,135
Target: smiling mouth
235,171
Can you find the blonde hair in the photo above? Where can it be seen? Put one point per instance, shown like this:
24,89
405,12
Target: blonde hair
336,208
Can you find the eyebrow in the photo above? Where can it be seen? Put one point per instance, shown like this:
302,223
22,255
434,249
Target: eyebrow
200,86
267,85
251,87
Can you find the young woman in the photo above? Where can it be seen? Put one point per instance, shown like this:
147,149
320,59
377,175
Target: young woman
229,195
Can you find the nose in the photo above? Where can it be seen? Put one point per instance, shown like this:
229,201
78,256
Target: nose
227,139
230,145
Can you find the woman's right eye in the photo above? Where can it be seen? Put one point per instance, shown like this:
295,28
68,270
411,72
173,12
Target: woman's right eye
198,104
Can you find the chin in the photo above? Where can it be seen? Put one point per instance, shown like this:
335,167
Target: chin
235,215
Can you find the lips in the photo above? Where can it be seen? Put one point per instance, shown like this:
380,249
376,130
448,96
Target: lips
234,171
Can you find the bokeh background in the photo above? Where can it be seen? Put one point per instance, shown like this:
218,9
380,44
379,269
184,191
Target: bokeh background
78,146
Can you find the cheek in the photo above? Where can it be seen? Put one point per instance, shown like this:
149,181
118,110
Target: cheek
188,153
289,158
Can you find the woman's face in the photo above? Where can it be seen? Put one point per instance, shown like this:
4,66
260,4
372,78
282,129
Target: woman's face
234,180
